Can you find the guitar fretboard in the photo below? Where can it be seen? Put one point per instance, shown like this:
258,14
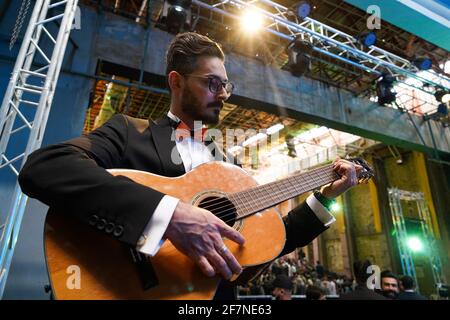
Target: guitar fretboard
259,198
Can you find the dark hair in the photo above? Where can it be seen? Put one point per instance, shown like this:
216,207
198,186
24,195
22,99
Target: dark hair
314,293
407,282
388,274
282,281
186,48
360,271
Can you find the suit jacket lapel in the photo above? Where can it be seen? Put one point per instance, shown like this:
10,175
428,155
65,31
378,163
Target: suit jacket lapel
166,148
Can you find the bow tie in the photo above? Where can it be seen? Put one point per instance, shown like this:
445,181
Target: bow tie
182,131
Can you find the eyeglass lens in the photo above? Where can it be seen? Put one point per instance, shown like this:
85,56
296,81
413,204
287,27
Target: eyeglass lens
216,85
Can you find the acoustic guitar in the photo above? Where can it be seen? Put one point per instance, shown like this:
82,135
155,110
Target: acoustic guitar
86,264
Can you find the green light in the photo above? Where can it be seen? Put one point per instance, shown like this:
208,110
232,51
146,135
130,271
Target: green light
335,207
415,244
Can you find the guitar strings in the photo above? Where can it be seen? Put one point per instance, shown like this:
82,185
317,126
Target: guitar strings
329,176
290,188
231,206
273,183
317,171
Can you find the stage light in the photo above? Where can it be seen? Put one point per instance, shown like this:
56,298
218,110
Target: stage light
384,88
423,63
443,109
441,112
275,128
335,207
442,96
367,38
303,9
176,15
414,244
251,20
299,53
253,140
235,150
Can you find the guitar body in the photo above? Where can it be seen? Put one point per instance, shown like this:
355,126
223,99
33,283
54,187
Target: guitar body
85,264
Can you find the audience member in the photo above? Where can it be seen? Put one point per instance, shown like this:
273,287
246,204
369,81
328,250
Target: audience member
315,293
361,292
282,287
389,285
408,292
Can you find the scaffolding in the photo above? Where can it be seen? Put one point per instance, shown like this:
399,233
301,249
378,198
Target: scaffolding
401,234
30,87
280,21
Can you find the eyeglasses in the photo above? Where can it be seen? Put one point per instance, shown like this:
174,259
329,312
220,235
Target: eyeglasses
215,84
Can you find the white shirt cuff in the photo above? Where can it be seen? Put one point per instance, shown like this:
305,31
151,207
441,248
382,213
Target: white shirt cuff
320,211
152,237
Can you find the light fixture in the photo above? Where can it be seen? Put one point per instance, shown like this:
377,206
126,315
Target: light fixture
423,63
235,150
441,112
442,96
303,9
384,88
335,207
368,38
275,128
176,16
251,20
299,53
254,139
414,244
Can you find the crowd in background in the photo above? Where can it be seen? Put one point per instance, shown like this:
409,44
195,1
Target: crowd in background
303,275
287,277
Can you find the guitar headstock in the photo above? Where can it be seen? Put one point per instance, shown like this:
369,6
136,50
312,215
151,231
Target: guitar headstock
366,173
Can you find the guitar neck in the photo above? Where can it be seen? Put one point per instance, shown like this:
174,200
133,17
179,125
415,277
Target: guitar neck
259,198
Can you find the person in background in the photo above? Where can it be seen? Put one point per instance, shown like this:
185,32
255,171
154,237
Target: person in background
361,292
389,285
408,290
315,293
320,270
282,287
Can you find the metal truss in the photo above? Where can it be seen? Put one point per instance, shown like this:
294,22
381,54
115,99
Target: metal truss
431,242
401,234
30,91
283,22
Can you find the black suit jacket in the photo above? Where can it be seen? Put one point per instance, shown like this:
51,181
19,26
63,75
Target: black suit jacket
72,176
410,296
361,292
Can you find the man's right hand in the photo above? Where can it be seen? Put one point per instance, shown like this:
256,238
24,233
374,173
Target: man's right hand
198,234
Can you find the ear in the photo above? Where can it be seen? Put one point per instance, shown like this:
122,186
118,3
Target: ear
176,80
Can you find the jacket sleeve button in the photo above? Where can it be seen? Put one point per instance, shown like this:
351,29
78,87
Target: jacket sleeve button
118,231
92,220
101,224
109,227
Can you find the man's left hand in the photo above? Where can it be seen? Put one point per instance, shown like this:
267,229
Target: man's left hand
349,178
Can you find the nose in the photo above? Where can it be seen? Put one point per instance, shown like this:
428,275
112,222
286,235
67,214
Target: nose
222,94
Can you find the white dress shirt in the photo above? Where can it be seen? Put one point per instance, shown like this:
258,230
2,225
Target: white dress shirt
194,153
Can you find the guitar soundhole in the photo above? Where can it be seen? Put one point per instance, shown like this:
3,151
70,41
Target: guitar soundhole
221,207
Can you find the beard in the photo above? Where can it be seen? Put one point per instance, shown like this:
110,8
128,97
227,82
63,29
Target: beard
390,294
193,107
